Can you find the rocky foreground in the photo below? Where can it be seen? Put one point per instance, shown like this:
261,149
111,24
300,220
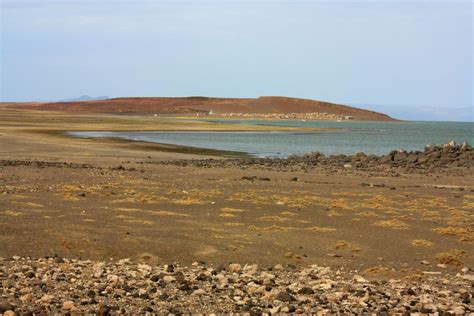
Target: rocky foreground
434,157
56,285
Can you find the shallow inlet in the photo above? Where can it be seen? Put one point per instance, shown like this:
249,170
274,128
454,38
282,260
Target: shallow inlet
349,138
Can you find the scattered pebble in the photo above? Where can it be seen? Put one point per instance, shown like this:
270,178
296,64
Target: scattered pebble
84,286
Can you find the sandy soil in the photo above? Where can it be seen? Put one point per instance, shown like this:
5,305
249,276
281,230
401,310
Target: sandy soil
102,199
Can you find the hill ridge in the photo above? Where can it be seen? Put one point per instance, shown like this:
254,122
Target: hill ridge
204,105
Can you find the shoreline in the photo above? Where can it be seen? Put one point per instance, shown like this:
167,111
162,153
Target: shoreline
74,200
414,155
164,147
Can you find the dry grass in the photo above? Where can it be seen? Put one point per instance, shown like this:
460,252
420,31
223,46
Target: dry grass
125,209
18,196
273,218
134,220
233,224
421,243
227,215
141,198
339,203
70,197
469,205
232,210
464,234
70,191
341,244
378,270
352,194
458,217
333,213
450,231
275,228
30,204
292,199
189,201
166,213
454,257
319,229
392,224
368,214
206,194
11,213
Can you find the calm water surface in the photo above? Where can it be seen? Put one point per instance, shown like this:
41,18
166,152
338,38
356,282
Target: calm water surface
348,138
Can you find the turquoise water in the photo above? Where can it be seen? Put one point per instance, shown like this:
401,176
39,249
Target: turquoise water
347,138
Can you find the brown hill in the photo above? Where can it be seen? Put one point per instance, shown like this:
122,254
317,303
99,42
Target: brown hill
158,105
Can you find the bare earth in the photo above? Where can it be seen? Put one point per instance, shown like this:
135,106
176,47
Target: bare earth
202,105
109,200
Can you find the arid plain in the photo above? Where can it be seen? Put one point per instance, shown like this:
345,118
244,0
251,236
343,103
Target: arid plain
106,199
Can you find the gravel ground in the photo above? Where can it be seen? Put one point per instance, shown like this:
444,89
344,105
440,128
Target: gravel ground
57,285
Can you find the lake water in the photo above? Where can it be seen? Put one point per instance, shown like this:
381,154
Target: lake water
347,138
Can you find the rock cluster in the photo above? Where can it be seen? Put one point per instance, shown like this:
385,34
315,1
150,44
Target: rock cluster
434,157
46,164
57,285
43,164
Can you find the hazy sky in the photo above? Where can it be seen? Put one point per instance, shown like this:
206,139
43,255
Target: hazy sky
411,59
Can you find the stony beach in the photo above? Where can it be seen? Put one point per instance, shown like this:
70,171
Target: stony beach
445,157
57,285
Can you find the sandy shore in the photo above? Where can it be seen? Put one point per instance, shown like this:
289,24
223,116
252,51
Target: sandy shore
106,200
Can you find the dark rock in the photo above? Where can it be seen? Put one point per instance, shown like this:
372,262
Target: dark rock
30,274
164,297
180,278
104,310
252,178
306,291
185,287
401,155
465,298
6,306
91,293
203,277
285,297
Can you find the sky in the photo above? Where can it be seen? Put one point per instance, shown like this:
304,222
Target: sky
413,60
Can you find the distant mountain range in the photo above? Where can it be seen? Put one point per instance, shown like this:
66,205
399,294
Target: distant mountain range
84,97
